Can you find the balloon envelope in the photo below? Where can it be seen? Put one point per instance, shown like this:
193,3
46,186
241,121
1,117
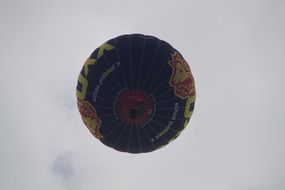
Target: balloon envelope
135,93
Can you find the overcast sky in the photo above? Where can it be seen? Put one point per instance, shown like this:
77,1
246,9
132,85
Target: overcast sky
235,138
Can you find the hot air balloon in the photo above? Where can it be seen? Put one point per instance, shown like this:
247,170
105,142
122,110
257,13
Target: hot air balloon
135,93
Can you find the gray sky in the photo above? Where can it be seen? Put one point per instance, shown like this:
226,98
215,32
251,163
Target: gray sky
235,138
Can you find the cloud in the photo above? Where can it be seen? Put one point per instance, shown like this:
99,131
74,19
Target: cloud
63,167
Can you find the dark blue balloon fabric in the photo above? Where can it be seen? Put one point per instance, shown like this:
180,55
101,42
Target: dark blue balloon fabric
136,93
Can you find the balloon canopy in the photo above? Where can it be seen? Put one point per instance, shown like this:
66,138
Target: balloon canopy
135,93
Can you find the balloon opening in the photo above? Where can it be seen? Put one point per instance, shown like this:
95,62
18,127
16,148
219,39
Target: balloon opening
133,113
136,111
134,107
